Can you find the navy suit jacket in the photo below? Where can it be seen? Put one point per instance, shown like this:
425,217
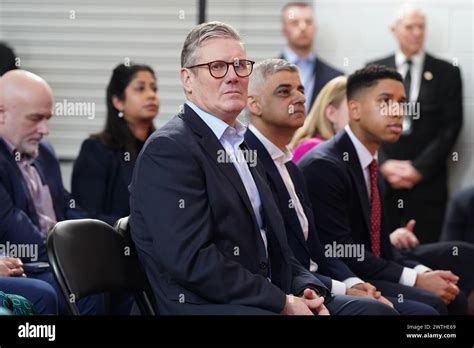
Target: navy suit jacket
100,180
323,73
19,222
340,202
304,250
195,231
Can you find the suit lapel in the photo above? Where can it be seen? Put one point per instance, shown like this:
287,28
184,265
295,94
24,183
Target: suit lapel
23,186
426,85
213,147
292,169
347,148
37,164
280,189
274,224
317,78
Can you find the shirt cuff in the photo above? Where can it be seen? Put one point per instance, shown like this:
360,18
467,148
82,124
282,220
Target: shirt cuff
421,269
337,287
408,277
350,282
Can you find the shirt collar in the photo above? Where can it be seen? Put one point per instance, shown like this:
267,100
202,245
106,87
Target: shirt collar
417,59
365,157
218,126
24,159
275,153
292,57
10,146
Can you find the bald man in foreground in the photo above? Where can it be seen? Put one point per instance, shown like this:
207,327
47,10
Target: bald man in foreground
32,196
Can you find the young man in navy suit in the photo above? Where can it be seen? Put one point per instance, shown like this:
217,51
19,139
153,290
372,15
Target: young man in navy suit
346,192
276,110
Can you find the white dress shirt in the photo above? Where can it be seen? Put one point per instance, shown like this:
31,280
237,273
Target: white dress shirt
416,75
280,158
418,61
231,138
408,276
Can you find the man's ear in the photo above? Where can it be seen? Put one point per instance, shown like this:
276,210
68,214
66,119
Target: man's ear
185,77
118,104
354,110
253,104
393,29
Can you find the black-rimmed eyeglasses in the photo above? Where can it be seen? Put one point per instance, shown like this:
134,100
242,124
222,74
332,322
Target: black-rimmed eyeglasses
218,68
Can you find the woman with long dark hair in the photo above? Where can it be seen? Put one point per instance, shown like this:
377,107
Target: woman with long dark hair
103,169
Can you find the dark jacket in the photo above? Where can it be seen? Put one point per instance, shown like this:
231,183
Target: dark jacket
304,250
341,204
100,180
195,230
19,222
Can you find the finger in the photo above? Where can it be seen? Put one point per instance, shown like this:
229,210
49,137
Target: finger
309,294
446,301
413,241
403,241
314,303
445,297
393,179
323,310
386,301
9,264
15,261
16,272
396,242
411,225
449,298
371,290
448,275
453,289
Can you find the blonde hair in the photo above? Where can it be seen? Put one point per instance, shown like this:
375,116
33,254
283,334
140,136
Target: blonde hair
333,93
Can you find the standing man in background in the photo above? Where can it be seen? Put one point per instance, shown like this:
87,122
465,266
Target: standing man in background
298,27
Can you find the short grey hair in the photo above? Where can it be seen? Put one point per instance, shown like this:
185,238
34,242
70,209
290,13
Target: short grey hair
406,9
201,33
266,68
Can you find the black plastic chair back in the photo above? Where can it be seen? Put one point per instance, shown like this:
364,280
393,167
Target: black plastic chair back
90,257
